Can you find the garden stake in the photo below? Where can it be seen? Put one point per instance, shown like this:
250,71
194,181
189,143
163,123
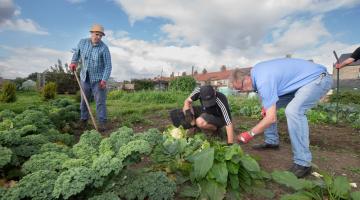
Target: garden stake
87,103
337,88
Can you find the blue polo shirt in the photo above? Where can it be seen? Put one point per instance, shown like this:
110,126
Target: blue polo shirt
278,77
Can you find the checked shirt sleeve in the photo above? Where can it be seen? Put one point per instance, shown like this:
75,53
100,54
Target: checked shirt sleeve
76,55
107,63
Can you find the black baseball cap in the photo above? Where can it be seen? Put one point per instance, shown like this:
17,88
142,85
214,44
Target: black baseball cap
207,95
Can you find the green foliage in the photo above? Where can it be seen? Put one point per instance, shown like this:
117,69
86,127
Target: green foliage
290,180
214,167
37,186
64,113
26,133
212,190
156,97
202,162
8,93
324,113
143,84
346,97
332,188
151,185
49,91
64,78
72,181
58,148
6,114
152,136
134,148
46,161
5,156
105,196
183,83
88,166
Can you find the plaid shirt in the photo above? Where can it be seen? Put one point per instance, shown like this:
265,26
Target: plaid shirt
95,59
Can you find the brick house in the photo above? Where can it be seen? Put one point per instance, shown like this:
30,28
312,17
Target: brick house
218,79
349,76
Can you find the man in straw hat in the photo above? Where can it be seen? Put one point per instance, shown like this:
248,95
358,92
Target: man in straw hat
95,71
295,84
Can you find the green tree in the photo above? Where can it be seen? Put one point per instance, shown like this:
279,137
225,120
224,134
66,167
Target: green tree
143,84
8,92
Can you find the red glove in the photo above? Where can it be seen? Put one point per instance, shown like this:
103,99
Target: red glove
245,137
263,112
102,84
73,66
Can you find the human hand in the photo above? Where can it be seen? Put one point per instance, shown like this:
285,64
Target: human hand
102,84
73,66
338,66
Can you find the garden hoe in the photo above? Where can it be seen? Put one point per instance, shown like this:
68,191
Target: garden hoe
86,102
337,88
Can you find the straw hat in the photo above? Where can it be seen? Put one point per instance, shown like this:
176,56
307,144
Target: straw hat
97,28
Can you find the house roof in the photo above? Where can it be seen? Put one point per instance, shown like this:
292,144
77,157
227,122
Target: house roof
220,75
346,56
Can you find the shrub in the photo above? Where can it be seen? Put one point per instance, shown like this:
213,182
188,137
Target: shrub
346,97
49,91
183,83
8,92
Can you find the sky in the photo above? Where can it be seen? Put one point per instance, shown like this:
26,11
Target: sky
147,38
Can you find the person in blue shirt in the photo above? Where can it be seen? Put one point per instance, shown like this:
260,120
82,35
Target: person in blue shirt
96,69
295,84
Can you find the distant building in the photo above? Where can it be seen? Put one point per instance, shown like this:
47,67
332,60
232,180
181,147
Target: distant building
162,83
349,76
220,78
28,85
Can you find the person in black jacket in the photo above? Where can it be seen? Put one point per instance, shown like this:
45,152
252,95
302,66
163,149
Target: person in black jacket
214,112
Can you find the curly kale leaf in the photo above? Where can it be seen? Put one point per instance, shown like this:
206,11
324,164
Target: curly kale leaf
6,114
53,147
72,182
106,147
73,163
37,186
121,137
84,151
107,196
46,161
153,185
134,147
153,136
6,124
10,138
5,156
33,117
103,166
91,138
57,137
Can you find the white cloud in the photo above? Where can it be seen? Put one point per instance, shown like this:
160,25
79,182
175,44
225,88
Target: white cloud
206,34
218,24
300,34
23,61
24,25
10,20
